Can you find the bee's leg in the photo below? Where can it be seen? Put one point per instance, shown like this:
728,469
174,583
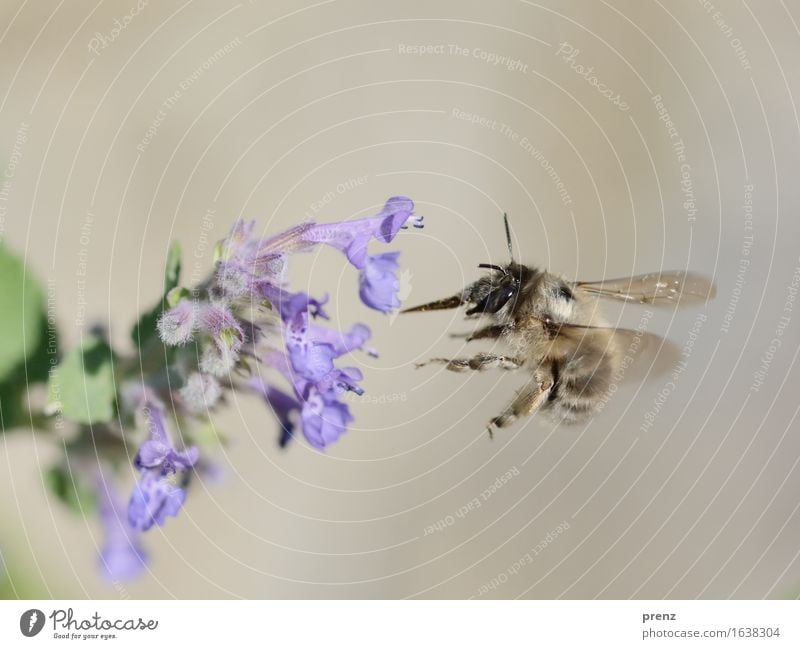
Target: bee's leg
528,401
479,362
492,331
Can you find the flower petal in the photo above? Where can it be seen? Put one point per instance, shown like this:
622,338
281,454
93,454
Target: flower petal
378,283
352,237
342,343
152,500
323,422
283,406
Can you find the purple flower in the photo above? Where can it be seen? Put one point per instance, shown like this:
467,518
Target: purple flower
352,237
310,346
378,283
153,499
176,325
311,351
238,243
289,304
308,364
245,260
227,333
339,381
283,405
217,320
155,496
324,420
122,556
158,452
342,343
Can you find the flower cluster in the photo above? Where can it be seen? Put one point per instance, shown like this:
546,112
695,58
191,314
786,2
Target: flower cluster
243,318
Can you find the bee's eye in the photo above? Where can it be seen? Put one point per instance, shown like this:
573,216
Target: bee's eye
495,301
563,292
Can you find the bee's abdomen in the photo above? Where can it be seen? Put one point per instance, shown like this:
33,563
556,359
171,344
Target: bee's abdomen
579,392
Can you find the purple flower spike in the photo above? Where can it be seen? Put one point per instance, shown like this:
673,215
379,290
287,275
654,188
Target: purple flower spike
122,557
378,283
250,267
241,318
176,325
153,499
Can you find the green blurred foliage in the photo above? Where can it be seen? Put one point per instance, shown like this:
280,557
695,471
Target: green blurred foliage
82,386
22,306
27,345
71,489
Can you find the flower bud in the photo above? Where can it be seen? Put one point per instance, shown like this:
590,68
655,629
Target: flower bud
176,326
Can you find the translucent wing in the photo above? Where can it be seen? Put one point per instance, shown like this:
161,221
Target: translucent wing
666,287
640,353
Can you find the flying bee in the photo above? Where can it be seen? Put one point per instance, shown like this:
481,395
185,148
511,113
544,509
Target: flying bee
556,332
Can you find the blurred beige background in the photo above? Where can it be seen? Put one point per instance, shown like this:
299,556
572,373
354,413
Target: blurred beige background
193,114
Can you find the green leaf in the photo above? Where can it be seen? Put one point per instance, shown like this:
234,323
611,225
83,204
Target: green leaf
145,328
13,391
177,294
81,386
172,273
219,251
24,336
70,490
22,312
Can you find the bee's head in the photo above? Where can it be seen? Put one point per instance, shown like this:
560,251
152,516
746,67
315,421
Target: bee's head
491,293
499,289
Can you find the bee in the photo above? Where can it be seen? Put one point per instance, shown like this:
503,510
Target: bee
557,333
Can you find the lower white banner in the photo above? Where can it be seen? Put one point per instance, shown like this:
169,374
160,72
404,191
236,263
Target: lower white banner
461,624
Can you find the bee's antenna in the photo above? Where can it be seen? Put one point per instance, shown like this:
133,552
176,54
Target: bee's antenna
508,236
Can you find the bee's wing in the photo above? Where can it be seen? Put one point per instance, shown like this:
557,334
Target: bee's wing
641,353
669,286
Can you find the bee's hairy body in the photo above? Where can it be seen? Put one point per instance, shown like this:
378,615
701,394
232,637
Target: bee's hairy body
556,333
579,367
